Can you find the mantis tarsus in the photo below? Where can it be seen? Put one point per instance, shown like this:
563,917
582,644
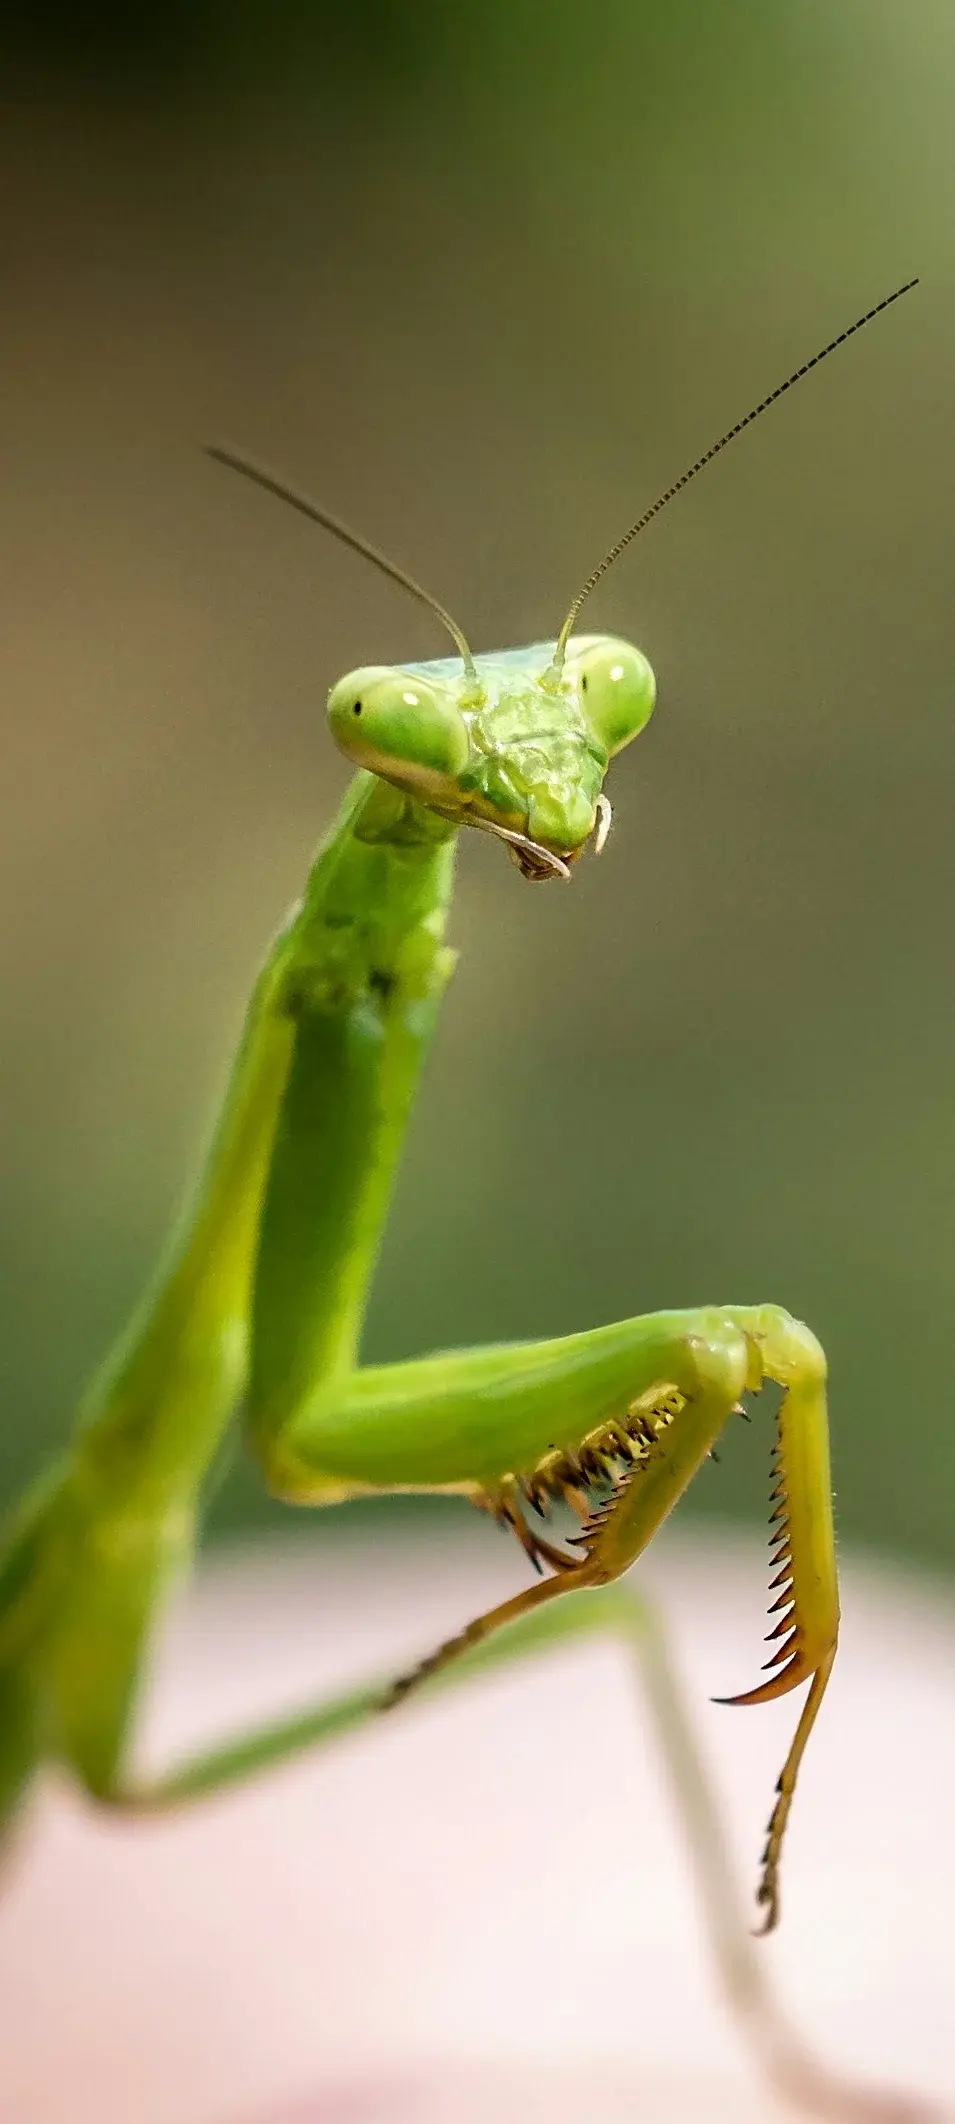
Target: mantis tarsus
261,1297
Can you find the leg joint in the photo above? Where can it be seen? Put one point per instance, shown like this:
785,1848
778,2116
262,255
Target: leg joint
786,1349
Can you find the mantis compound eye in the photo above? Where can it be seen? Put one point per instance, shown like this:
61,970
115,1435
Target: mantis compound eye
616,688
399,725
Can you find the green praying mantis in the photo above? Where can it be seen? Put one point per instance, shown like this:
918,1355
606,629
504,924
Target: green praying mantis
259,1302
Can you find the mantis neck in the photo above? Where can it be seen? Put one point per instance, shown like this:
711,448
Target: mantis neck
369,971
308,1145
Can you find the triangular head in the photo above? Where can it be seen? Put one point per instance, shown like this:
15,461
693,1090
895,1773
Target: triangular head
507,742
516,742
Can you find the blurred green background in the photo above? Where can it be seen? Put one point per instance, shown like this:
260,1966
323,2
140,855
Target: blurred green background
485,277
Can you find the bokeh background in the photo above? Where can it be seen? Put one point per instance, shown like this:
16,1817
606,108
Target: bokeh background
484,277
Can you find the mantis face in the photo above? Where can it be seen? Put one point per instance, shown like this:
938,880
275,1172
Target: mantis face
510,746
518,742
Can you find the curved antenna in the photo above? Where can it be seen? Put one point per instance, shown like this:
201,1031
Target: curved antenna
348,538
641,523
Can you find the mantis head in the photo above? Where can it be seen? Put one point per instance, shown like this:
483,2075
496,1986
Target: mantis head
509,743
516,743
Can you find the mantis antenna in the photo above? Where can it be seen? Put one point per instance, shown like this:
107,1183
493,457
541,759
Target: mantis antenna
641,523
348,538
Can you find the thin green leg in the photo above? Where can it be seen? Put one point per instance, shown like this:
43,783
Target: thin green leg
626,1613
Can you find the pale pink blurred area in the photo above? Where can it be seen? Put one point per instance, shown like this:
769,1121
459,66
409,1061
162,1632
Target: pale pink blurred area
481,1908
484,2093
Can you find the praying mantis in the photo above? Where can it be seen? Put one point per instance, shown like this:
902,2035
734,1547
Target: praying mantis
260,1300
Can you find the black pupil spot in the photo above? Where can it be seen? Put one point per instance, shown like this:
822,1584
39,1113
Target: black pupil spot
583,683
356,710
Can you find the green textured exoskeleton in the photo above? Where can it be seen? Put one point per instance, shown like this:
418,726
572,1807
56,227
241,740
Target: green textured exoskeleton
262,1296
